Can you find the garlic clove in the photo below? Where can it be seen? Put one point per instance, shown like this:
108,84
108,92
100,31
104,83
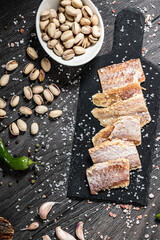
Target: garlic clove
45,208
46,237
32,226
79,231
62,235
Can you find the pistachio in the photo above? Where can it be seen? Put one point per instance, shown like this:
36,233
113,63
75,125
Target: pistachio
4,80
77,3
66,35
34,128
14,129
68,54
85,21
28,92
69,43
86,43
25,110
34,74
64,27
71,11
46,237
76,28
22,125
79,16
69,18
2,103
94,20
45,37
37,89
58,49
65,3
55,113
58,34
68,23
38,99
79,38
45,15
86,29
48,95
79,50
56,22
51,29
28,68
61,18
52,43
61,9
11,65
92,39
41,75
32,53
45,64
44,24
96,31
87,12
2,113
14,101
54,89
41,109
53,13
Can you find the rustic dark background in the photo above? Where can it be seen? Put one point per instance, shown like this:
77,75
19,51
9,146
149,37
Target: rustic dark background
19,202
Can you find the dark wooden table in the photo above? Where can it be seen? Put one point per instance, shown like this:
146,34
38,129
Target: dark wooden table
19,202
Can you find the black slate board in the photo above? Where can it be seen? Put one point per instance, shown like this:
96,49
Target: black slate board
128,38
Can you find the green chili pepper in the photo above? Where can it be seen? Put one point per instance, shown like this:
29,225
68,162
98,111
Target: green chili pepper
19,163
158,216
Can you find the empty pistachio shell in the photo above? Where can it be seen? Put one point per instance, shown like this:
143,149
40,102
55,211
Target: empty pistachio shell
87,12
79,16
44,24
69,43
4,80
32,53
56,22
64,27
2,113
65,3
38,99
63,235
61,18
52,43
41,75
57,34
77,3
46,237
28,92
14,129
53,13
14,101
66,35
94,20
22,125
28,68
45,15
85,21
25,110
45,64
79,231
92,39
2,103
54,89
11,65
86,43
37,89
76,28
55,113
34,128
48,95
79,50
41,109
58,49
51,29
71,11
45,37
86,29
79,38
34,74
68,54
96,31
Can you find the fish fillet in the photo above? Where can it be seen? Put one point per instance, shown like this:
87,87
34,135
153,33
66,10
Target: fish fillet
107,175
119,75
111,150
112,96
125,128
132,106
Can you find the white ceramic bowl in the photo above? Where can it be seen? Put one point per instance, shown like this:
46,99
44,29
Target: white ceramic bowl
90,53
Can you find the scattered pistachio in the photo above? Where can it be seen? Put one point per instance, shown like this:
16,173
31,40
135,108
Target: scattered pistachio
62,235
14,101
41,109
4,80
2,103
79,231
25,110
45,64
22,125
11,65
45,208
32,226
34,128
28,68
38,99
48,95
28,92
41,76
46,237
2,113
55,113
34,74
14,129
54,89
37,89
32,53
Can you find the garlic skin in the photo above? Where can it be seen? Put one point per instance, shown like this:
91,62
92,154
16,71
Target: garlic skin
79,231
45,208
62,235
32,226
46,237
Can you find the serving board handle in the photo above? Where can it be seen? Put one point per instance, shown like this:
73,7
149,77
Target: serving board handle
129,30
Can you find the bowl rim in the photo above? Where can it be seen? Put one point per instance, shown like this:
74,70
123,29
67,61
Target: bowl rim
70,62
